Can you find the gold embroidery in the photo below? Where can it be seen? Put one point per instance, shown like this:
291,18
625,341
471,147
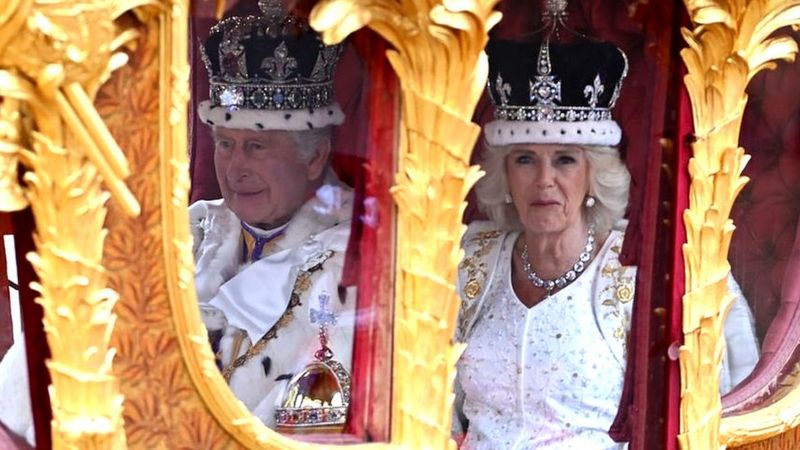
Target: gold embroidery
237,345
286,318
619,292
475,266
472,288
621,333
303,281
621,287
624,292
301,285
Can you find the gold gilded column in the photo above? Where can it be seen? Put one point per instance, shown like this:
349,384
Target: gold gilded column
729,43
53,57
438,57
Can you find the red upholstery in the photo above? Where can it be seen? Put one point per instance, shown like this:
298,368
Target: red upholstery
765,250
790,300
766,212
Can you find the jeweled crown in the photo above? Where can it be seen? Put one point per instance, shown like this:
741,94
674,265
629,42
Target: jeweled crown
550,91
549,81
273,61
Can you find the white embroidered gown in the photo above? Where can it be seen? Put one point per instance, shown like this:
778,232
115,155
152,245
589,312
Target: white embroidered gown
548,376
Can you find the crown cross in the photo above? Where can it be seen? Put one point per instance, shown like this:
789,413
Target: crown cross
279,66
232,59
546,90
324,316
593,92
276,16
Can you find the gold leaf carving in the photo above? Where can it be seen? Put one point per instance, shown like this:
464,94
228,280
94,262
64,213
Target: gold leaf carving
65,195
11,196
162,406
53,55
438,56
778,417
728,46
198,430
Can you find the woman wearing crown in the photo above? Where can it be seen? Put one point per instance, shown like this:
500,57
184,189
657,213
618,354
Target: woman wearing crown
546,303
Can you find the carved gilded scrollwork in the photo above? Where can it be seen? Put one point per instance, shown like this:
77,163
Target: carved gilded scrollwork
53,57
11,196
439,60
161,409
730,43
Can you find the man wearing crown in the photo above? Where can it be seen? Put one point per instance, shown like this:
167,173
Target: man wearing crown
269,254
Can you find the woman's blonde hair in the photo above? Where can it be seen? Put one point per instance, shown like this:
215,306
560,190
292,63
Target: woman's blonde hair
609,184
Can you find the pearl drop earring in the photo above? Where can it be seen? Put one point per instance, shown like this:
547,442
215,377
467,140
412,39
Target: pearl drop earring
590,201
508,198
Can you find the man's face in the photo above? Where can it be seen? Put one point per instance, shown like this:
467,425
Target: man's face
261,175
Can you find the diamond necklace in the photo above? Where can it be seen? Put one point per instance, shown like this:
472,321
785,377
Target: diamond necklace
563,280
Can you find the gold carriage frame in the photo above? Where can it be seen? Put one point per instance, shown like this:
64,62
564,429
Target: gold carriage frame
53,120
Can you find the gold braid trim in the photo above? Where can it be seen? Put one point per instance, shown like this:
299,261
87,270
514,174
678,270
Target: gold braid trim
301,285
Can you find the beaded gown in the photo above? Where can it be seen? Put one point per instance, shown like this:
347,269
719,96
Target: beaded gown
551,376
557,369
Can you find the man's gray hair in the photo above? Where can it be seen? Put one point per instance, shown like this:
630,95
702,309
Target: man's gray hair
609,184
309,141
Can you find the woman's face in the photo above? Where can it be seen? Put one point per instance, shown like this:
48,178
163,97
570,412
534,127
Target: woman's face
260,174
548,185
